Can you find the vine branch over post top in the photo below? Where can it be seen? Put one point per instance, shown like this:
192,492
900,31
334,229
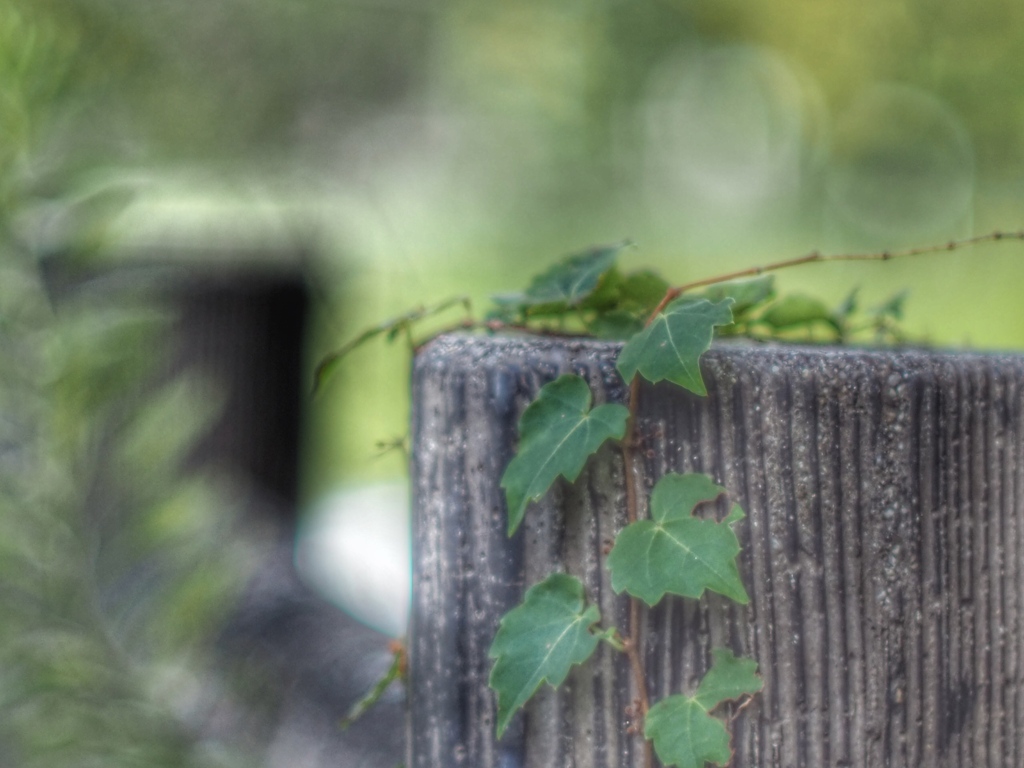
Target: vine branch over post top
816,257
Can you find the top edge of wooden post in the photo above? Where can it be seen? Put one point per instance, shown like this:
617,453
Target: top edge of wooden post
477,349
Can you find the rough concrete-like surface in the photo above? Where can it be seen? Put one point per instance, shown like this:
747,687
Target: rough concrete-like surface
882,553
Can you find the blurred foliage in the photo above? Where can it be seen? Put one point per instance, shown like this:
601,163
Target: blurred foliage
432,148
117,568
438,147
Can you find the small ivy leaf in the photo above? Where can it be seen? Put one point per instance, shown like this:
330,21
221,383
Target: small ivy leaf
893,307
685,735
797,310
540,639
612,637
729,678
574,278
676,552
506,309
746,294
607,295
616,325
683,731
671,345
643,290
557,433
849,306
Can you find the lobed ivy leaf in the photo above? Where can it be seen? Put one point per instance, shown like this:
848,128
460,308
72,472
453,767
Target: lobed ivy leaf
745,294
729,678
575,277
616,325
892,307
676,552
557,433
622,304
642,290
685,735
848,306
796,310
671,345
540,640
683,731
608,293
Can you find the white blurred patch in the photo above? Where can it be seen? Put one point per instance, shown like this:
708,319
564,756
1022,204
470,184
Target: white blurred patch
353,547
724,130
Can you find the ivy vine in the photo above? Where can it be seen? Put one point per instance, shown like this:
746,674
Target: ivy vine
676,550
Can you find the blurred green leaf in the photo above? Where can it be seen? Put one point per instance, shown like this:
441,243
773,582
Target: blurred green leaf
797,310
745,294
848,306
893,307
567,285
574,278
642,291
616,325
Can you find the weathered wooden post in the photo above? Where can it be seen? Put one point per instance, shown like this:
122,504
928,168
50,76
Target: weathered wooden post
882,552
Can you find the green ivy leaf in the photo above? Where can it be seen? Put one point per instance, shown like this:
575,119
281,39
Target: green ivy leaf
796,310
729,678
643,290
622,304
574,278
540,639
676,552
616,325
892,307
745,294
685,735
607,295
557,433
683,731
671,346
848,306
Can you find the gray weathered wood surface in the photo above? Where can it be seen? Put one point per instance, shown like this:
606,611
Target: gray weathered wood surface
882,552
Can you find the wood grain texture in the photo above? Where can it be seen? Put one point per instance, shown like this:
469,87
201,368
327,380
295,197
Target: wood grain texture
882,553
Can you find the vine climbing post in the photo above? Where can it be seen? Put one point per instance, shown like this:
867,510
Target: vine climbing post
842,463
552,559
633,480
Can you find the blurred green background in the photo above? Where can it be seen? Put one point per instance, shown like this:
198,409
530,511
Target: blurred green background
419,150
433,148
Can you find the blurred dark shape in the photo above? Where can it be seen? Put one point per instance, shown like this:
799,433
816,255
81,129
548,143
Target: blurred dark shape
246,331
297,663
240,329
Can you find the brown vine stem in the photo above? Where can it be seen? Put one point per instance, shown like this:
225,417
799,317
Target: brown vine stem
633,643
816,257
